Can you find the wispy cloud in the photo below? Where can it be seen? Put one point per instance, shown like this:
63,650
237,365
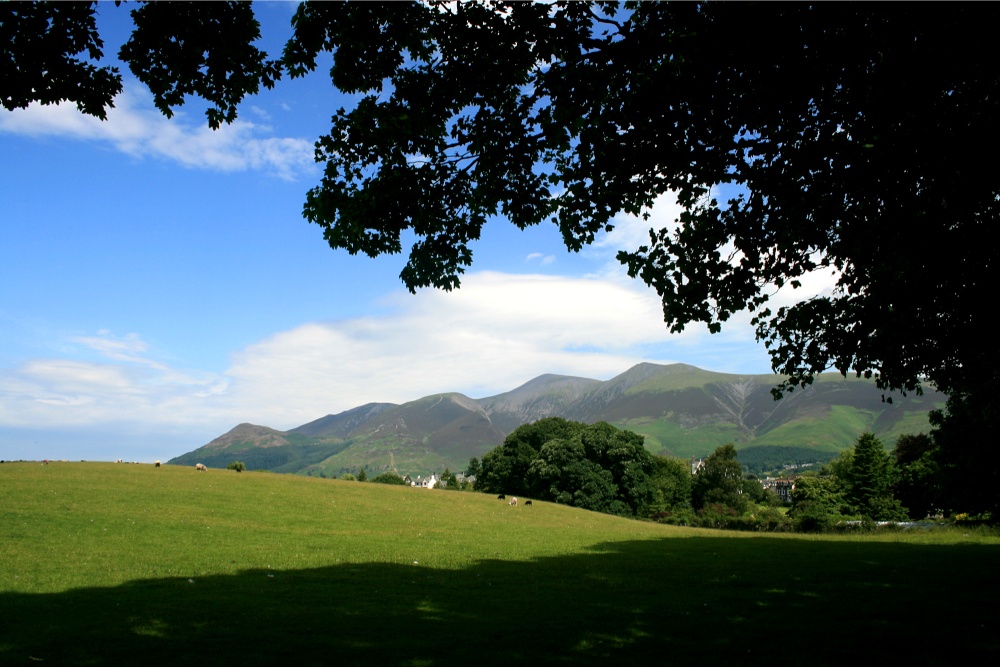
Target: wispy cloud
260,112
540,258
136,128
129,348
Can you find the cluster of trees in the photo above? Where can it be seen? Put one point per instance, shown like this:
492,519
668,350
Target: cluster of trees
596,467
859,485
864,484
601,468
724,496
867,482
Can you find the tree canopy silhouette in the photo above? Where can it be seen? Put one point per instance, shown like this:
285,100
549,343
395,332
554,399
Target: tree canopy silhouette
797,137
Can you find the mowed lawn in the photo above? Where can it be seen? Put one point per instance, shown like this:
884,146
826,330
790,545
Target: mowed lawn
110,564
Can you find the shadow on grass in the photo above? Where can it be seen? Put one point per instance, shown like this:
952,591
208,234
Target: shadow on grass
678,601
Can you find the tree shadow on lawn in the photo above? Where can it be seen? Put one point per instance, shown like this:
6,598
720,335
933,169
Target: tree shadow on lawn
682,601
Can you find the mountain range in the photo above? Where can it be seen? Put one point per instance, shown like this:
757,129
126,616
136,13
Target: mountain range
680,409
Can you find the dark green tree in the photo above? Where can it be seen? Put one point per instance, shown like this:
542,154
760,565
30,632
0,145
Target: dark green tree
238,466
362,475
624,455
720,481
388,477
918,481
563,473
504,469
600,468
817,504
474,468
671,480
596,467
872,475
839,470
964,434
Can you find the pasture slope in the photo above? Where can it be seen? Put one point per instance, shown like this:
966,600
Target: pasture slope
113,564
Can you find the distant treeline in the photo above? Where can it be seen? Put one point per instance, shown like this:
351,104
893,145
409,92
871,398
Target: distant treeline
769,458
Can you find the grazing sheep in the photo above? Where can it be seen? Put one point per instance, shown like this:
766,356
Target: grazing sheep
501,497
513,501
200,466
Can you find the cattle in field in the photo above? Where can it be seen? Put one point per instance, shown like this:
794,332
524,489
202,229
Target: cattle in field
200,466
502,497
156,464
527,502
513,501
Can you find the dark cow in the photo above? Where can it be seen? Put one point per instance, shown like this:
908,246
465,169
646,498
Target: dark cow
502,497
527,502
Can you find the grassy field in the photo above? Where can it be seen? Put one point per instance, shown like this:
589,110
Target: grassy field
109,564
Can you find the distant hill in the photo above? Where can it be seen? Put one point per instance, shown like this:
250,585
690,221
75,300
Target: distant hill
681,410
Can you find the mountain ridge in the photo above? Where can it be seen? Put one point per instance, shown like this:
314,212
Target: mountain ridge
681,410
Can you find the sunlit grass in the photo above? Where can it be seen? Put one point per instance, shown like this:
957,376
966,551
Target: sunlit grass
106,520
103,562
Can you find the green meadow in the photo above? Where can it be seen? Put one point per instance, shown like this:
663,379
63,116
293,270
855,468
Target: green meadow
110,564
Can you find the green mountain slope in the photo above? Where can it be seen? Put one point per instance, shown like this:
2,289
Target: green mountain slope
417,438
343,424
682,410
263,448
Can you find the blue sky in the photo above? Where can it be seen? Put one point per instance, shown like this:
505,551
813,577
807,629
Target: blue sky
158,285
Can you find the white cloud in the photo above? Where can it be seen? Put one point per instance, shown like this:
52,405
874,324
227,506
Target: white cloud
128,349
260,112
541,258
494,334
631,231
136,128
